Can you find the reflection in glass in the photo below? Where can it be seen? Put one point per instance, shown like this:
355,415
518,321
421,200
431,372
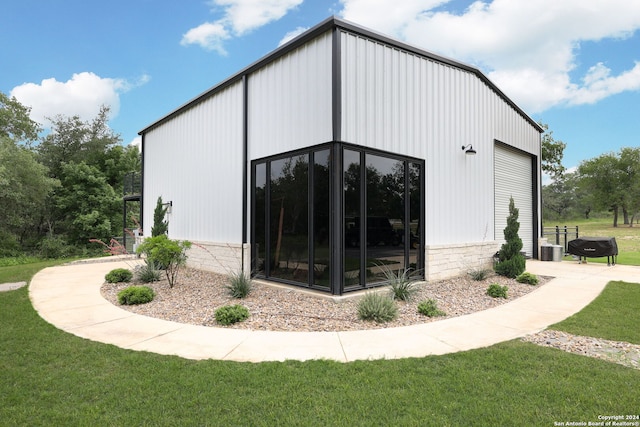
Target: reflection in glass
289,240
415,201
260,238
352,191
385,216
321,248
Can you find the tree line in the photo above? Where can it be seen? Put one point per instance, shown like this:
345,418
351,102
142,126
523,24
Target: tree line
607,183
60,188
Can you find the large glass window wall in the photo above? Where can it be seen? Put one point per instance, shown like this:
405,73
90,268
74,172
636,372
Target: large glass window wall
373,200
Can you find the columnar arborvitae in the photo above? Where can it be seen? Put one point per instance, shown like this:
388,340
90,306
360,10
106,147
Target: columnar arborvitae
160,226
511,262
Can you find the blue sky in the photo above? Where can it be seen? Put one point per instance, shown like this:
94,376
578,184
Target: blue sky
573,64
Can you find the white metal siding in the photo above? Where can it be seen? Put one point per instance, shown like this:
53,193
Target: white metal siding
195,161
513,178
290,100
404,103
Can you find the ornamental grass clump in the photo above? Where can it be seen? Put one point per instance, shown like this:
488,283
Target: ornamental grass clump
239,285
401,282
377,307
230,314
479,274
148,273
136,295
118,275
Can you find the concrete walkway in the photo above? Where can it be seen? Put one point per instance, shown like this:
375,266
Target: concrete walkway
69,298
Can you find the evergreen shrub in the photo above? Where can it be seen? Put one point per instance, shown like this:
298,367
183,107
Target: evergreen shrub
230,314
118,275
136,295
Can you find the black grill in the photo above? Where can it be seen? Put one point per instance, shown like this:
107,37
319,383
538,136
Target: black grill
594,247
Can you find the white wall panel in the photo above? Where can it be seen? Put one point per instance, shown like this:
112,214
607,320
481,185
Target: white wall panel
290,100
195,160
513,176
404,103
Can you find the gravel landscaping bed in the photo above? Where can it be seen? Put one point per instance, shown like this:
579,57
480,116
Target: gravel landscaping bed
619,352
197,295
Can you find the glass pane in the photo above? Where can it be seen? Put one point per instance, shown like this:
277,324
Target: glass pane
289,240
322,255
352,191
260,230
385,217
415,201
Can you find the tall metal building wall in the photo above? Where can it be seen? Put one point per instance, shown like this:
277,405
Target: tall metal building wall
194,160
289,100
399,101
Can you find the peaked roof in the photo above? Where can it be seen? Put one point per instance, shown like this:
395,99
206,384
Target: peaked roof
321,28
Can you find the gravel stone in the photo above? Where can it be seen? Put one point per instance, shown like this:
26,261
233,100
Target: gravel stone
619,352
197,294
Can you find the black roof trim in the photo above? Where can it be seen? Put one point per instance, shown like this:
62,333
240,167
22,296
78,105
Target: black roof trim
324,26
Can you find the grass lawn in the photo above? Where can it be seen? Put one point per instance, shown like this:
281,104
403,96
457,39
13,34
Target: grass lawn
613,315
24,272
49,377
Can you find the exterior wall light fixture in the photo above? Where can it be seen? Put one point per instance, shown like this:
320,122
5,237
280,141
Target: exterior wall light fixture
168,205
468,150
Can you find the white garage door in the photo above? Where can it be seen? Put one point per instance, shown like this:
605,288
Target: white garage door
513,178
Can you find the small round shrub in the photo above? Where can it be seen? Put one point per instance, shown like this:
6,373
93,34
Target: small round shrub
118,275
528,278
429,308
496,291
377,307
136,295
230,314
511,267
239,285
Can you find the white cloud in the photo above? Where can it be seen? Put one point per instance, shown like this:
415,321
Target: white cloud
82,95
292,35
239,17
528,48
246,15
209,35
137,142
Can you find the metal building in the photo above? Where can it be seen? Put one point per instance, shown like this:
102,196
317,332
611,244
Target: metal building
342,154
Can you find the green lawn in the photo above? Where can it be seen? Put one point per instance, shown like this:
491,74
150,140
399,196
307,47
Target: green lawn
49,377
24,272
613,315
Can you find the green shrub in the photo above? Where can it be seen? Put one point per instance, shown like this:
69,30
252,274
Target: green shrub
169,254
118,275
136,295
230,314
511,263
239,285
377,307
149,272
479,274
429,308
496,291
528,278
401,282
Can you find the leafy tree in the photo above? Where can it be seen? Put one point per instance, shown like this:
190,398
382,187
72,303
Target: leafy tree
601,178
552,153
511,262
24,187
73,141
85,206
160,226
15,122
629,166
